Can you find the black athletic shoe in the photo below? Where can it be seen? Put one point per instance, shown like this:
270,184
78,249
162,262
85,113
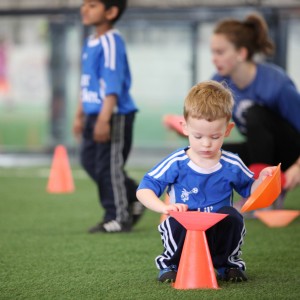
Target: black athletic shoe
167,275
110,227
96,228
233,275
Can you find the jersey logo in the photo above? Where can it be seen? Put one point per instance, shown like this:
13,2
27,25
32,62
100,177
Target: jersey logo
208,209
186,194
241,111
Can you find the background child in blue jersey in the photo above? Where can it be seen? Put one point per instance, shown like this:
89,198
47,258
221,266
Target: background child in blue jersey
105,116
202,177
267,102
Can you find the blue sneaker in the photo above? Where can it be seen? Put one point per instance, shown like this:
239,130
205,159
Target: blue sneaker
231,274
168,274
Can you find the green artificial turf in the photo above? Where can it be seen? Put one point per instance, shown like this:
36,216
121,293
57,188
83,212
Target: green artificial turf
45,252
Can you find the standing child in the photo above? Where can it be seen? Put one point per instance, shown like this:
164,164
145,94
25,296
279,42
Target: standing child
202,177
105,116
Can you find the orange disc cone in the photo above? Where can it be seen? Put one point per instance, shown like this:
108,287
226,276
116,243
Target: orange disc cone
277,218
167,201
266,193
196,269
173,122
60,178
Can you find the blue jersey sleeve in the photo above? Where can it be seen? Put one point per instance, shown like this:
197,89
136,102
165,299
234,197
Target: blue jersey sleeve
164,174
114,68
243,184
238,174
157,186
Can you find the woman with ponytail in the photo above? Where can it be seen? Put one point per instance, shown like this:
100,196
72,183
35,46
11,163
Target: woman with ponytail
267,102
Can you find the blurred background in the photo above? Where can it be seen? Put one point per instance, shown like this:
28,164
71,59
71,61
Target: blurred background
168,49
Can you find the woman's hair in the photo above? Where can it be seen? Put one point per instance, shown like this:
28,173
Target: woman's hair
209,100
252,33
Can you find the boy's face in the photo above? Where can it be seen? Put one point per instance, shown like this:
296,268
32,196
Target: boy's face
93,12
206,138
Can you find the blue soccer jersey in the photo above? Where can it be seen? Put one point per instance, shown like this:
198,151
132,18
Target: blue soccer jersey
205,190
105,71
271,88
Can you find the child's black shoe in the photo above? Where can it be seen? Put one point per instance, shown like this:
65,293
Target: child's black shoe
168,274
233,275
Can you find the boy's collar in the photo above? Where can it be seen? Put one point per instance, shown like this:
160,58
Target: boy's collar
94,40
96,37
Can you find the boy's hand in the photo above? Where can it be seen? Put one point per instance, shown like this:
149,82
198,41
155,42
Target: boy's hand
266,172
175,207
102,131
262,176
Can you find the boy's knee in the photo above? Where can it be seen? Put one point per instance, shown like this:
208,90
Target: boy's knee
233,215
228,210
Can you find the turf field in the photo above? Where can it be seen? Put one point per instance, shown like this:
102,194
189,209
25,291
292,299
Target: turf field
45,252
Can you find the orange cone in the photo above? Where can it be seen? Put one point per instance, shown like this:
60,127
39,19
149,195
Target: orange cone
167,201
60,179
266,193
196,269
277,218
173,122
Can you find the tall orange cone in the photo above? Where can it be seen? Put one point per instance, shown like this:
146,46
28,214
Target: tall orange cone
196,270
60,178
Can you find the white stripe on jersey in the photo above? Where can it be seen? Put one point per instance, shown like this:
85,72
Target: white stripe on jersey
239,164
105,50
112,47
236,157
167,166
102,86
165,161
